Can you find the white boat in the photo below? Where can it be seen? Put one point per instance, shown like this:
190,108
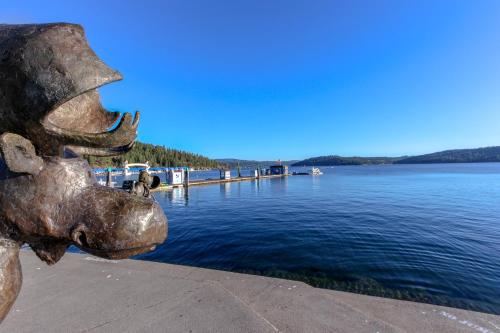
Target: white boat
316,171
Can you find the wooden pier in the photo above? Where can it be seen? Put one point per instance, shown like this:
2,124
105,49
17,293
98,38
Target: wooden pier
179,177
167,187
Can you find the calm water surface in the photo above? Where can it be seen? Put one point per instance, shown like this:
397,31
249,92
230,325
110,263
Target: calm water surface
422,232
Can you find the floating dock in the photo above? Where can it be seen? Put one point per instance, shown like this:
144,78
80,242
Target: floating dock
82,293
198,182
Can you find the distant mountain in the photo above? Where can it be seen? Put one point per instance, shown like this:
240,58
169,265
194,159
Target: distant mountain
487,154
339,160
162,156
244,164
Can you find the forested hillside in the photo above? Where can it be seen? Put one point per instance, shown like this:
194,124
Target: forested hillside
233,163
339,160
162,156
156,155
487,154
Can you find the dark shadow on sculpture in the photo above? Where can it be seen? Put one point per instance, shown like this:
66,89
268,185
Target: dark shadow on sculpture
50,113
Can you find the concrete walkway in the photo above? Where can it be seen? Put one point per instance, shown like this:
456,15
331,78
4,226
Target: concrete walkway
85,294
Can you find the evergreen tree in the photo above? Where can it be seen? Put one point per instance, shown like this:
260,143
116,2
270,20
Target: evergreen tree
156,156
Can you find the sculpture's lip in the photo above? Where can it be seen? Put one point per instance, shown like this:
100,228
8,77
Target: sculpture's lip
87,128
114,76
94,107
120,253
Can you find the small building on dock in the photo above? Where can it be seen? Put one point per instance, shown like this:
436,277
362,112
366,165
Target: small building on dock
278,169
225,174
175,177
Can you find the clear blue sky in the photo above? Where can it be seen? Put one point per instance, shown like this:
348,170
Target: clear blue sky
294,79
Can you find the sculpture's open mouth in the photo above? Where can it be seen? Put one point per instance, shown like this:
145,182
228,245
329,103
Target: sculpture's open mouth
84,126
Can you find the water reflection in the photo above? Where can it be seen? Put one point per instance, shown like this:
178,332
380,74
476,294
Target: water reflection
255,186
225,190
178,196
278,185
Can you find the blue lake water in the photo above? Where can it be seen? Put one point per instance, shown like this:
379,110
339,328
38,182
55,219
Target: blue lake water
421,232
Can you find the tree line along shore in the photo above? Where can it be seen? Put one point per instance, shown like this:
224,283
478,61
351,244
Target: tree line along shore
156,155
476,155
161,156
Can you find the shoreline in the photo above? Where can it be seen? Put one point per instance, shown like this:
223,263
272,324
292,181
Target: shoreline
89,294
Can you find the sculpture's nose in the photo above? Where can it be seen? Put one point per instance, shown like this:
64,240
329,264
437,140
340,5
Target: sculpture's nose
159,221
118,224
141,223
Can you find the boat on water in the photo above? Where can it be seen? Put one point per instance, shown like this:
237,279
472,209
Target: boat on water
295,173
316,171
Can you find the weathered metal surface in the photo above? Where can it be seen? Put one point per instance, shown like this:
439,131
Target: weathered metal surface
49,105
48,81
10,275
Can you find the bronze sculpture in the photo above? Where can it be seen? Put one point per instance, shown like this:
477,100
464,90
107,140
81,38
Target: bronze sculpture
143,186
50,113
48,81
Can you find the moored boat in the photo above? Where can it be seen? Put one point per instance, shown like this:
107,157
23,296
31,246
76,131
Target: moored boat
316,171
